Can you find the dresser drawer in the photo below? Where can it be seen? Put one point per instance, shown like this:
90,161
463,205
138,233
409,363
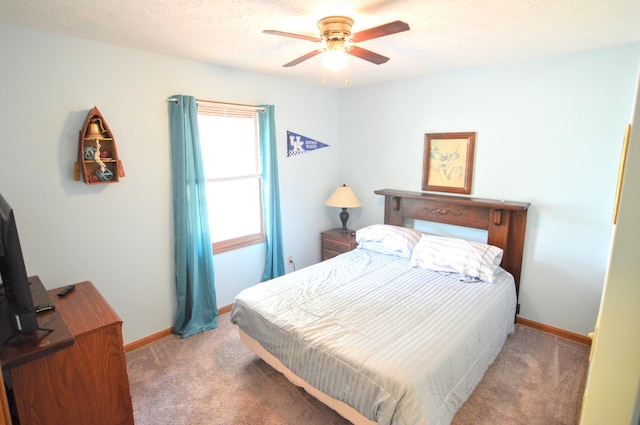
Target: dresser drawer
334,245
327,253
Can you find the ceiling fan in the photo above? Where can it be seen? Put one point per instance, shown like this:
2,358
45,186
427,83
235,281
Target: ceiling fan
336,39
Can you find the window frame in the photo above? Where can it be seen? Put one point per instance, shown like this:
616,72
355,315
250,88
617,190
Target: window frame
221,109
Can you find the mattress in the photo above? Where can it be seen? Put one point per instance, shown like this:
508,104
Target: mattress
399,345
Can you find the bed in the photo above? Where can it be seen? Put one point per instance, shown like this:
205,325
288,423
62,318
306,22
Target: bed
381,337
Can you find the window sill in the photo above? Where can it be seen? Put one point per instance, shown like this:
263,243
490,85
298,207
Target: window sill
231,244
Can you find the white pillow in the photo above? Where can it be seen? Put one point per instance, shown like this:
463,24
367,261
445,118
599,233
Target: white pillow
471,259
388,239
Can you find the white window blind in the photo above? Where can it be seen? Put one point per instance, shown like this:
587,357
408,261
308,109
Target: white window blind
230,146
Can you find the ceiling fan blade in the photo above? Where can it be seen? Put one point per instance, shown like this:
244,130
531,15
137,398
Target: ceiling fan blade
380,31
368,55
288,34
301,59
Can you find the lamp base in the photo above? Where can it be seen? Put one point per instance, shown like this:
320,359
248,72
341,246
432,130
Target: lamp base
344,216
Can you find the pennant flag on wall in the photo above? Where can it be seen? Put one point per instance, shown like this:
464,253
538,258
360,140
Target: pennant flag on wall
297,144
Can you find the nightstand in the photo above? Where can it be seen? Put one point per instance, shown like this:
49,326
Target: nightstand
335,243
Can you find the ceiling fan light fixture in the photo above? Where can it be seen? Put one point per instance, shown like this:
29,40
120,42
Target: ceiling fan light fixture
334,58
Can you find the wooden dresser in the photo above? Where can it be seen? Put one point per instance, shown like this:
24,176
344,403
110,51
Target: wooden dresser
86,383
335,243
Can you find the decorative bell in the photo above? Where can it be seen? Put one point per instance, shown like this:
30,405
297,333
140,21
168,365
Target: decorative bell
95,129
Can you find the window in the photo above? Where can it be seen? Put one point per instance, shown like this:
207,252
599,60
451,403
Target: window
230,146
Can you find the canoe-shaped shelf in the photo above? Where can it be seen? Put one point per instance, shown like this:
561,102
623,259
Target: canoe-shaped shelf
98,160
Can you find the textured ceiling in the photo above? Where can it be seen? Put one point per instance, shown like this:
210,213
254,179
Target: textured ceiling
444,35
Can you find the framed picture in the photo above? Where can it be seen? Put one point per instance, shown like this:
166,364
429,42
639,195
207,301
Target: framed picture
623,160
448,162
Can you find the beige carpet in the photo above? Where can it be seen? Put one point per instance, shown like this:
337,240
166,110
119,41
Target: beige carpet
211,379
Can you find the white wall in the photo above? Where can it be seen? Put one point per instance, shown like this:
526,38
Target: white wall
120,236
612,395
549,132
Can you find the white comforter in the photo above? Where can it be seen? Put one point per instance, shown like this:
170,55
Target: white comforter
401,345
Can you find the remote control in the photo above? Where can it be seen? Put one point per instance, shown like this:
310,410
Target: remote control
45,307
64,291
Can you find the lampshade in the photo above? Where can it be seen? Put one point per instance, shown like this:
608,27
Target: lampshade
343,197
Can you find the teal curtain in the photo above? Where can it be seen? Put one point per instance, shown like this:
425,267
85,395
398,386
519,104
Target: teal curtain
274,264
197,309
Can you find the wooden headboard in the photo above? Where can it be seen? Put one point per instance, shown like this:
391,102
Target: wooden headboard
505,221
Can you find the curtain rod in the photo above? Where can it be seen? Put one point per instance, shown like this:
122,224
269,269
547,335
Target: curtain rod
213,102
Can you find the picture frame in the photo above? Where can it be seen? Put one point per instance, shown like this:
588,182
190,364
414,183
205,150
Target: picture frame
623,160
448,162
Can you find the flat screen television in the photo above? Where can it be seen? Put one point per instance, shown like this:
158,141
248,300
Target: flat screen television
15,282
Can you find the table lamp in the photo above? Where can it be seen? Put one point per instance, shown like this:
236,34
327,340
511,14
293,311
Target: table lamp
343,198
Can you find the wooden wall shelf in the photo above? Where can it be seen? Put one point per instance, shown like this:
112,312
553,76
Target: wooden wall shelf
98,160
